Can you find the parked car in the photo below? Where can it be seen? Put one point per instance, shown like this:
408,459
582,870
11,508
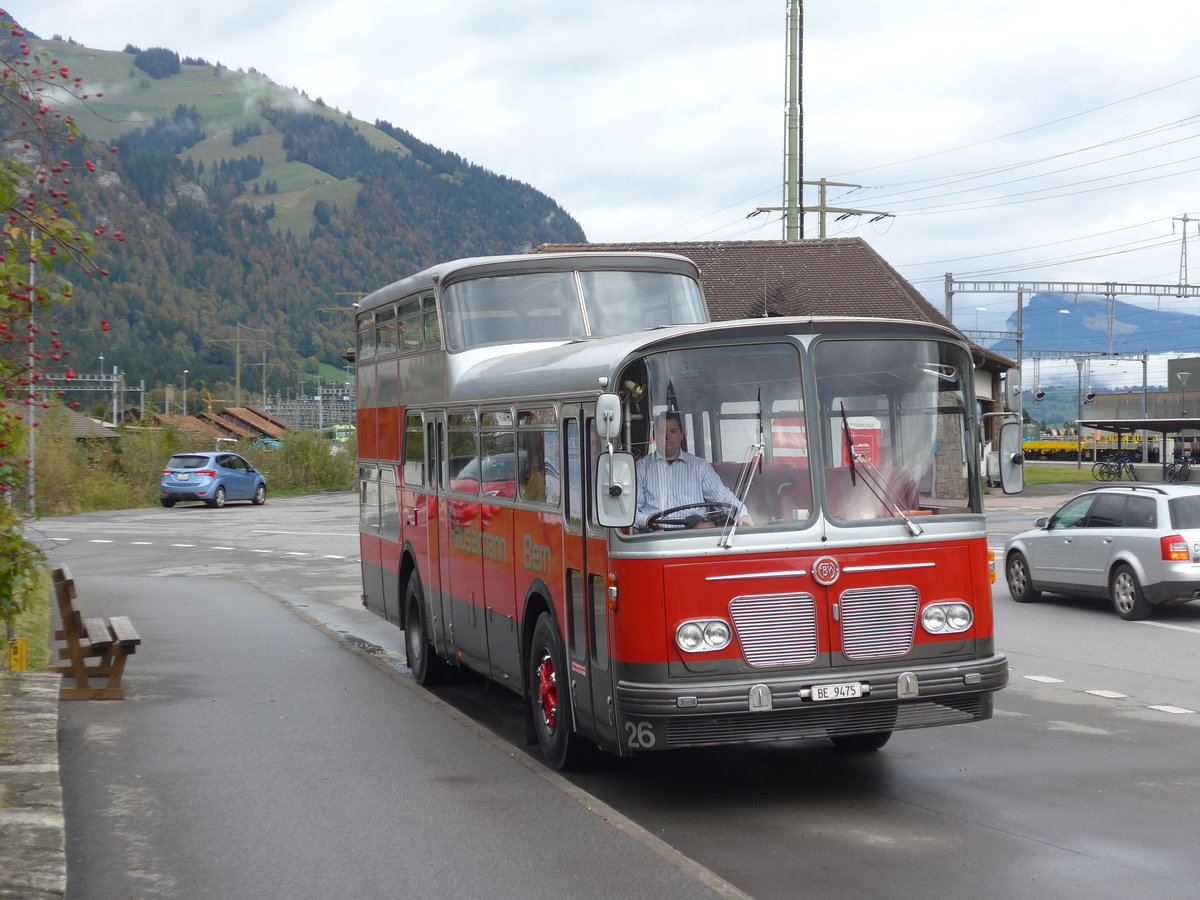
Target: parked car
212,478
1136,545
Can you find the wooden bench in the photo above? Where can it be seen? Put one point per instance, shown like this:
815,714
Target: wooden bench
106,641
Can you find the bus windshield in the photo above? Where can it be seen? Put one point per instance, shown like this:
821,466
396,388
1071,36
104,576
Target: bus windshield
901,407
889,439
564,306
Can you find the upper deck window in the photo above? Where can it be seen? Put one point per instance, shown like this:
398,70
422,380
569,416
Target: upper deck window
562,306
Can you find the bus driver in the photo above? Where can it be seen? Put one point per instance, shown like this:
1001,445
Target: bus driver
671,477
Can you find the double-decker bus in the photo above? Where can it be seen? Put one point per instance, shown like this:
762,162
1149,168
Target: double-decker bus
840,586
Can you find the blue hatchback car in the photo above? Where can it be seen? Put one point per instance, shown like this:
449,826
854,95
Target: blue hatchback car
211,478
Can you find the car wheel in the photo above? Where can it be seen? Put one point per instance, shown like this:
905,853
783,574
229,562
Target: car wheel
260,495
218,499
427,667
1127,597
1020,581
167,503
550,698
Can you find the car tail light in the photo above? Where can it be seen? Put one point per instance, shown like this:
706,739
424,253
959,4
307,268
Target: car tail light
211,473
1174,547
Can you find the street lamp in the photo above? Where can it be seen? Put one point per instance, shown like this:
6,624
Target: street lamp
185,406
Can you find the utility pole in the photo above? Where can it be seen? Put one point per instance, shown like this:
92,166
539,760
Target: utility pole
824,209
237,356
1183,263
794,160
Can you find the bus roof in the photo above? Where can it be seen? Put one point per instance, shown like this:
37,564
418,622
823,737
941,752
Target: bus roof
481,266
531,370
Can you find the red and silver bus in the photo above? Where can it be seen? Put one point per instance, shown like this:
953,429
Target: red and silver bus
844,592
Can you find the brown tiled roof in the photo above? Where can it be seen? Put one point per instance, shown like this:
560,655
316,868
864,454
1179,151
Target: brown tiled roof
226,427
837,277
83,427
255,420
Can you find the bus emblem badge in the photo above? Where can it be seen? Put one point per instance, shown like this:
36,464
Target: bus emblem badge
826,570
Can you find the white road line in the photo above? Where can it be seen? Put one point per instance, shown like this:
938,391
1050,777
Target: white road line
222,548
1108,695
183,545
296,553
142,543
1175,710
1044,679
1171,627
313,533
99,541
330,556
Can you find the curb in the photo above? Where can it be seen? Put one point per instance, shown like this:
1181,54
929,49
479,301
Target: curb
33,854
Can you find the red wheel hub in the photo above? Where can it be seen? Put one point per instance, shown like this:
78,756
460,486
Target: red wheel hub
547,691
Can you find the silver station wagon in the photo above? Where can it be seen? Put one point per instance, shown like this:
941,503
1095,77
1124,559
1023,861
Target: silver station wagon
1136,545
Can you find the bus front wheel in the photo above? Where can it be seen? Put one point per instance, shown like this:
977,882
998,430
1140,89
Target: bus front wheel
550,697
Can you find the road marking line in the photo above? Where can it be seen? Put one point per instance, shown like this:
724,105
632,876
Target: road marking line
142,543
222,548
1171,627
296,553
313,533
99,541
1108,695
1174,710
183,545
1044,679
329,556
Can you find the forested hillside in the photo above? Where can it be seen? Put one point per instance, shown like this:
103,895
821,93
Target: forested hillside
239,201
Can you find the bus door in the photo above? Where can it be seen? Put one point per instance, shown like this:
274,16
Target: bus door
498,487
586,571
433,503
461,537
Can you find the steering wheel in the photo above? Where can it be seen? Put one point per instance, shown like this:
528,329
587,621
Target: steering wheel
718,511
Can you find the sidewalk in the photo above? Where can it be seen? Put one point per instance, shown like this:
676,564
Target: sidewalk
33,863
259,754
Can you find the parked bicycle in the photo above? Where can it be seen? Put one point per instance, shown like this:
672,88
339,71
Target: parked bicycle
1180,470
1114,469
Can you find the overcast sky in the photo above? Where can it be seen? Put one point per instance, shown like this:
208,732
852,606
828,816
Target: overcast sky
1021,139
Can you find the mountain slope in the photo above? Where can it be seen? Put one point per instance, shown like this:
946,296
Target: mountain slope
242,202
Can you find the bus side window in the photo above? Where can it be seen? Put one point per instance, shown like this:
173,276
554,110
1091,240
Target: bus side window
414,451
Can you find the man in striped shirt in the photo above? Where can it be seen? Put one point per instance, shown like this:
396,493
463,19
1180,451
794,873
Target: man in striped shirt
672,477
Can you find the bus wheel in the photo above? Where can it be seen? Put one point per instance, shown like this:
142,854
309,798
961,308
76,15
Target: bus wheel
550,697
427,667
860,743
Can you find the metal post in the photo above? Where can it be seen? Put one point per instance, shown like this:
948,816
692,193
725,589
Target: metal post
31,407
185,406
1079,414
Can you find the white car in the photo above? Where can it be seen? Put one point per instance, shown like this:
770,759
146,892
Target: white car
1138,545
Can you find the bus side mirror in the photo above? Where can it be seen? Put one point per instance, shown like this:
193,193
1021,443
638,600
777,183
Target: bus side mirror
1012,458
616,489
608,416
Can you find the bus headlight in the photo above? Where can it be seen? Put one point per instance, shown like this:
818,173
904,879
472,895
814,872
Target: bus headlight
703,636
947,618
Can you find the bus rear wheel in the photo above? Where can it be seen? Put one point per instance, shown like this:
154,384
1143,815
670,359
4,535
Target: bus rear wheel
550,698
427,667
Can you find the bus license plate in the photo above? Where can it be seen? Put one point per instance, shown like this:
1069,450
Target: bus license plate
849,690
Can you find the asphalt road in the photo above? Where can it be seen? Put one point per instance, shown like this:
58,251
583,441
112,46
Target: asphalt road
1083,785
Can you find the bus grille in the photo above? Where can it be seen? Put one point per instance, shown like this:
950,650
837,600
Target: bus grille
776,630
878,623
